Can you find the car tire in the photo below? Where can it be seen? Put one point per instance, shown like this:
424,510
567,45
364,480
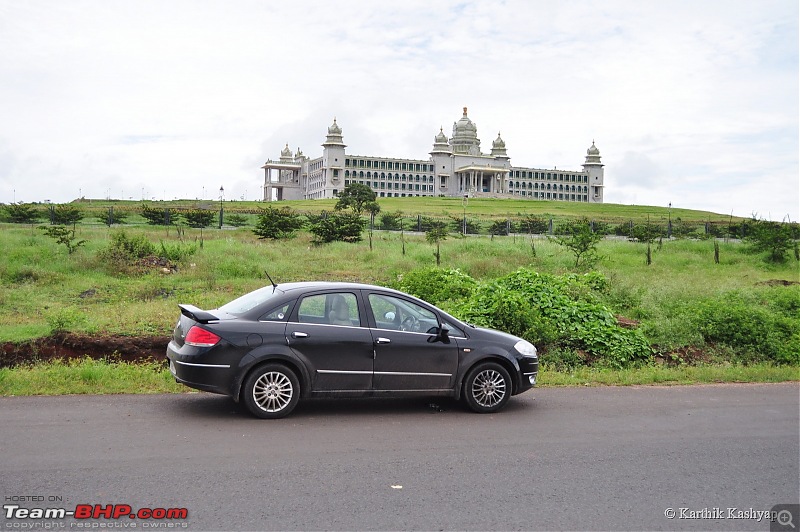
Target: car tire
271,391
487,388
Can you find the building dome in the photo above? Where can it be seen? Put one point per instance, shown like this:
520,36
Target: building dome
465,136
592,156
286,152
441,138
499,147
498,142
334,137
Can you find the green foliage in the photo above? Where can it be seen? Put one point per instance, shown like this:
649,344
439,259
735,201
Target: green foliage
646,233
457,225
558,310
435,235
200,218
236,220
156,216
358,198
534,225
112,217
437,285
390,221
130,247
277,223
21,213
773,238
499,227
581,241
176,252
336,227
63,235
66,214
753,331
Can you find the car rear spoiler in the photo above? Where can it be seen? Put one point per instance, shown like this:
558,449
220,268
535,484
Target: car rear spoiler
196,314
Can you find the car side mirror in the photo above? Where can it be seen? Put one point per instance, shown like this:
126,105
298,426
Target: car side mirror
439,334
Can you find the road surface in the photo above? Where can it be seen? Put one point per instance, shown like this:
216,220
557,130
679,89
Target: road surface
555,458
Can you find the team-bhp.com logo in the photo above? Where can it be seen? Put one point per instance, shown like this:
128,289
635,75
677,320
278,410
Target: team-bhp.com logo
94,511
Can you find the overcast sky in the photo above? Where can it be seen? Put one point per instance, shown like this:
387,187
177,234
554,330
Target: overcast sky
693,103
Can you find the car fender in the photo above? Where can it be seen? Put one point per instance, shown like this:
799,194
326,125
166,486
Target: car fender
478,356
270,353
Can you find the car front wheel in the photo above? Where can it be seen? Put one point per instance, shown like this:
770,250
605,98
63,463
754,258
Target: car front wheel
487,388
271,391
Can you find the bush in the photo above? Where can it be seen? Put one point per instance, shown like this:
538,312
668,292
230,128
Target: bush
436,285
558,311
750,330
390,221
21,213
338,226
200,218
277,224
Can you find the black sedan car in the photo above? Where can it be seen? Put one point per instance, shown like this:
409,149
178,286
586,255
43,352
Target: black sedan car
280,343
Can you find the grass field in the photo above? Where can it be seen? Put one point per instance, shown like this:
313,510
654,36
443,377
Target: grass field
45,289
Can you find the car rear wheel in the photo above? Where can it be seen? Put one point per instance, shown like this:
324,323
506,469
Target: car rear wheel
487,388
271,391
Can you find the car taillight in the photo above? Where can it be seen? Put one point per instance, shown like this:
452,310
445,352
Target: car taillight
201,338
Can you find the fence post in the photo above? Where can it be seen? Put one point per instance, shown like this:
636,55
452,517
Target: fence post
52,210
111,216
419,223
550,229
166,217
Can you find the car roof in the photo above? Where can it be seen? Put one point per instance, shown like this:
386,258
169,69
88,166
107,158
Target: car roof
325,285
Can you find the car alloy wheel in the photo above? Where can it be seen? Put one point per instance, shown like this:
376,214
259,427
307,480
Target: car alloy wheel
271,391
487,388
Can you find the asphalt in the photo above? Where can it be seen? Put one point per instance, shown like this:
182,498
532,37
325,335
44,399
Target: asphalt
615,458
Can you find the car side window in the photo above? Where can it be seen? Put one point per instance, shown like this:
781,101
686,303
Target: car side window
329,309
277,314
400,315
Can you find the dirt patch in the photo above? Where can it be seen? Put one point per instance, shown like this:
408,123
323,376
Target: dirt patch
778,282
69,346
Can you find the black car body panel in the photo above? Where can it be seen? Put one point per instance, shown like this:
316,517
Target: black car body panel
340,339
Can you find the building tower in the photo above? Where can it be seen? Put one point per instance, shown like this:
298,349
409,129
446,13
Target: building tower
333,161
594,168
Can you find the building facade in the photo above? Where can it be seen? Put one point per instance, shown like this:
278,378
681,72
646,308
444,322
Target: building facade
456,167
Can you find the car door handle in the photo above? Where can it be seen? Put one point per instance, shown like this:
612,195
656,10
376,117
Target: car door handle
298,334
382,340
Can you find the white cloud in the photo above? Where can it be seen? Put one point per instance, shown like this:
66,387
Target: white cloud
690,102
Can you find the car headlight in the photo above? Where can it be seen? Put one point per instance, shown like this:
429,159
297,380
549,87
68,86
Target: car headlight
525,348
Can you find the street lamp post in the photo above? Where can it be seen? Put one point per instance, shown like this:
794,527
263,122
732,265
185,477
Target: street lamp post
669,221
464,206
221,197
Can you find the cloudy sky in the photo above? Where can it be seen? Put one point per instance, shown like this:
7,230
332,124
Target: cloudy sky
693,103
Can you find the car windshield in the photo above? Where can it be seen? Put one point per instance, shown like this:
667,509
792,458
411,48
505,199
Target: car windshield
249,301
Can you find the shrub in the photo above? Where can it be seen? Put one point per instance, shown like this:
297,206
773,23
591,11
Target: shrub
750,330
277,223
200,218
436,285
390,221
236,220
338,226
21,213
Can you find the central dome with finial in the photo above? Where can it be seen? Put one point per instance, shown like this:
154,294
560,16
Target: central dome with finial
465,139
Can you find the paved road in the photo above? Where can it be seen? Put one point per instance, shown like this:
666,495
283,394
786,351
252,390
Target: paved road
579,458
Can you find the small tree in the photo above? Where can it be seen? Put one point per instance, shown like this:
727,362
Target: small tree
112,217
390,221
499,227
278,223
771,237
156,216
373,209
66,214
356,197
533,225
343,227
236,220
200,219
436,234
63,235
21,213
581,241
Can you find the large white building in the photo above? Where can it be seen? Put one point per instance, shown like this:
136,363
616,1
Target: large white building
456,167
